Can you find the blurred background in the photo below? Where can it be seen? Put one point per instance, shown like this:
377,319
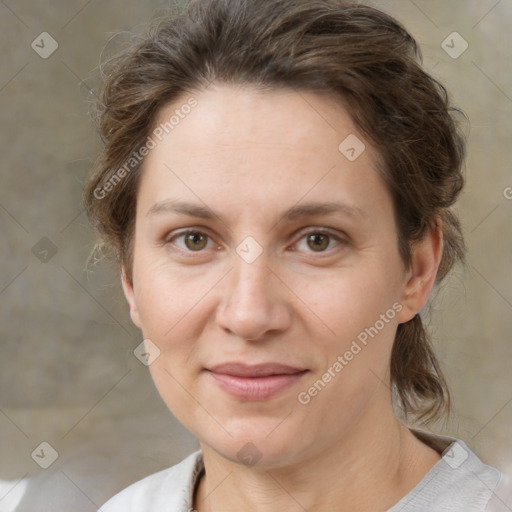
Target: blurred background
68,375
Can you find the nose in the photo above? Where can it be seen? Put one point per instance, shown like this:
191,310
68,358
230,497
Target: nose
254,303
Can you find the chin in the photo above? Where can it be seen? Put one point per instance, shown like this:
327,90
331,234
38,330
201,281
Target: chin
258,443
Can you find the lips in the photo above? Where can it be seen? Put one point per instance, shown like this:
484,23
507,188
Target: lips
256,370
255,382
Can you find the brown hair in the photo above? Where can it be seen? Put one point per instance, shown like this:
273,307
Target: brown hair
356,53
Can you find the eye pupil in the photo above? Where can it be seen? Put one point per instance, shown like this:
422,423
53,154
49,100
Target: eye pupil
195,241
318,241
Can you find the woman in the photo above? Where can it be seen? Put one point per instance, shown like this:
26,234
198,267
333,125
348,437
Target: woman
276,182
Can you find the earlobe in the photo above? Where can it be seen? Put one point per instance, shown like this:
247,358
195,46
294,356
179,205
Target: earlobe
129,294
421,277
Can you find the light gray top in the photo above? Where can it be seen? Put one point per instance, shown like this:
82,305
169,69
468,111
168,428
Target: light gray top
458,482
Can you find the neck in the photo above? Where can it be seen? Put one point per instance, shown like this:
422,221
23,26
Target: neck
370,469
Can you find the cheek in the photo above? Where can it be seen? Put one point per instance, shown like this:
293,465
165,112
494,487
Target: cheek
353,327
361,310
352,299
170,308
168,298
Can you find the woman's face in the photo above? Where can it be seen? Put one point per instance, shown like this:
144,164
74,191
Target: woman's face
263,245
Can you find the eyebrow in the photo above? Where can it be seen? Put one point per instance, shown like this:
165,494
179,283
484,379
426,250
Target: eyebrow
312,209
180,207
294,213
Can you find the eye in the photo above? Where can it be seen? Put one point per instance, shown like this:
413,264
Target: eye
191,241
317,241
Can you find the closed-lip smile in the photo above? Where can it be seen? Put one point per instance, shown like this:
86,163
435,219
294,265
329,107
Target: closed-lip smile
255,381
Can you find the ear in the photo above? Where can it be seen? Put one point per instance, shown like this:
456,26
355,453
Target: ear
421,276
129,293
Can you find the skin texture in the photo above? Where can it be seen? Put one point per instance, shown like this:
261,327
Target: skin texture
248,157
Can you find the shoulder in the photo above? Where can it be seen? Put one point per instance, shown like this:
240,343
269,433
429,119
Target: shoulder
460,481
501,500
465,479
170,489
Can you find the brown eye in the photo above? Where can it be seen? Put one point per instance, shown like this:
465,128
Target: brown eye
318,241
195,241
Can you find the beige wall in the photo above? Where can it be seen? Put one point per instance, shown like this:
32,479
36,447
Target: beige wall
67,372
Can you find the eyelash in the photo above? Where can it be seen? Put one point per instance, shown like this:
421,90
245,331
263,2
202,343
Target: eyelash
332,237
170,239
338,239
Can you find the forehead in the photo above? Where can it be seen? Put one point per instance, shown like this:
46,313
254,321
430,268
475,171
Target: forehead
236,114
263,147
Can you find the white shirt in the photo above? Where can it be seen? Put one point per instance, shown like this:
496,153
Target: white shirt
459,482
